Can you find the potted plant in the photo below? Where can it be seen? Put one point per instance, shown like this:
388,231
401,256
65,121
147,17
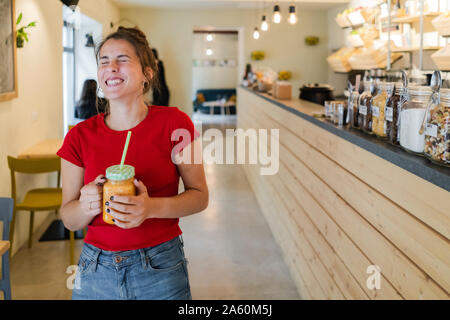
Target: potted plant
21,34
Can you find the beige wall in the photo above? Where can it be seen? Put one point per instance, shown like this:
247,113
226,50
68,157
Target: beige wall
170,31
39,66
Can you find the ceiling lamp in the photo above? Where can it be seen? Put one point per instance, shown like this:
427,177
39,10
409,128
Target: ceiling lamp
209,52
276,14
264,24
256,34
209,37
292,16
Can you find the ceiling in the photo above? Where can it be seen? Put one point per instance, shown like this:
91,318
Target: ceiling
211,4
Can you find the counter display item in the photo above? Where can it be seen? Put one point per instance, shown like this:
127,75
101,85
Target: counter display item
393,107
353,109
365,107
411,117
379,109
339,116
336,112
437,131
282,90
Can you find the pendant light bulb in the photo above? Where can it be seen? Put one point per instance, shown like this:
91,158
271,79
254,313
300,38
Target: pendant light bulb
256,34
209,37
292,15
209,52
264,24
276,14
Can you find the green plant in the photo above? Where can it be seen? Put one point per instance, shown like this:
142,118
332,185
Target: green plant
21,34
257,55
311,40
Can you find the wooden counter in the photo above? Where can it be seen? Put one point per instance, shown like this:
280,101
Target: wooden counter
336,208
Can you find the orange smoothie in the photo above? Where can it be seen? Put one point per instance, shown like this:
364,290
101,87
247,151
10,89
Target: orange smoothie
119,182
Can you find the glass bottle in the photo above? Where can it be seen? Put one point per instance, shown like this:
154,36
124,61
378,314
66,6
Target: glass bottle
353,109
411,117
365,107
393,107
437,131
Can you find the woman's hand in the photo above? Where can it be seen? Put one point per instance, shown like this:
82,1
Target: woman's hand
91,198
130,211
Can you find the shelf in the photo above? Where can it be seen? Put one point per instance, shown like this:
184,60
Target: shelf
415,18
415,49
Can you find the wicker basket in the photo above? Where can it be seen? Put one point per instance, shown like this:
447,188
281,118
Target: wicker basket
442,24
338,61
442,58
371,58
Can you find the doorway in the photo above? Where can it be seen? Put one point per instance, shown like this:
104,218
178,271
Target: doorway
216,73
80,34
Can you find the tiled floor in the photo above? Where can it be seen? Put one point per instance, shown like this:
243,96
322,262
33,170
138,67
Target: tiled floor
231,251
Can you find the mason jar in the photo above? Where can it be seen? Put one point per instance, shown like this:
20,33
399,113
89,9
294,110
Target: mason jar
437,130
411,117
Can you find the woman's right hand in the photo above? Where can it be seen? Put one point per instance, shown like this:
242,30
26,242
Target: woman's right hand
91,198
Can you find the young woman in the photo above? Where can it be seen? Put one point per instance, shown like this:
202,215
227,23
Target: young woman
141,256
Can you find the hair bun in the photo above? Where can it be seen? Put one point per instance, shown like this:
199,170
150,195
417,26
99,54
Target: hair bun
137,33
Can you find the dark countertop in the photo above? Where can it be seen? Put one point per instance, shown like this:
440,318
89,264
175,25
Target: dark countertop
420,166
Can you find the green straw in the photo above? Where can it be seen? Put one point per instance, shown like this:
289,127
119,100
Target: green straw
125,149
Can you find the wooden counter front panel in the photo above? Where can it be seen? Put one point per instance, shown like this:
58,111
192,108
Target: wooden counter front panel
332,224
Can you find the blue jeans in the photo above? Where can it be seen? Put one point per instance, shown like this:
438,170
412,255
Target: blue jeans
158,272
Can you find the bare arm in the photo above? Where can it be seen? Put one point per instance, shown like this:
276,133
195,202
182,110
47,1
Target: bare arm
80,204
195,198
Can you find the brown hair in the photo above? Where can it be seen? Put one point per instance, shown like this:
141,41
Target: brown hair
143,51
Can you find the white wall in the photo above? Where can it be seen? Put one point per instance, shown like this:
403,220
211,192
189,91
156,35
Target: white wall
37,113
224,46
170,31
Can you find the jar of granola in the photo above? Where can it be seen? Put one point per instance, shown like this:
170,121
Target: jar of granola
379,109
437,130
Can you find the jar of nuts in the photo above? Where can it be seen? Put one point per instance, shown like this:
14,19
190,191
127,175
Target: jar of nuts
437,130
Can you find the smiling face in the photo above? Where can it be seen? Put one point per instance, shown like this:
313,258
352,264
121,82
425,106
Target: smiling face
119,70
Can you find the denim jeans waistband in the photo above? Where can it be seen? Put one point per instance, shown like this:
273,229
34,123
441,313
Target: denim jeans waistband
126,258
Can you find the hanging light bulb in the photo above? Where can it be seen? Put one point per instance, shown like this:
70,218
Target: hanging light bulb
209,52
256,33
276,14
209,37
264,24
292,16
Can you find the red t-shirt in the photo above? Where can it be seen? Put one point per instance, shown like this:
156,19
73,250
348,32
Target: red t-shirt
94,147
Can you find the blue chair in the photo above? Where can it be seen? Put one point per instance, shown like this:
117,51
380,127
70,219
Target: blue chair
6,213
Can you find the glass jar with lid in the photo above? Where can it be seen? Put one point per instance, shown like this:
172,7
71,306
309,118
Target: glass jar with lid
364,108
379,109
411,117
119,182
352,111
437,130
393,107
